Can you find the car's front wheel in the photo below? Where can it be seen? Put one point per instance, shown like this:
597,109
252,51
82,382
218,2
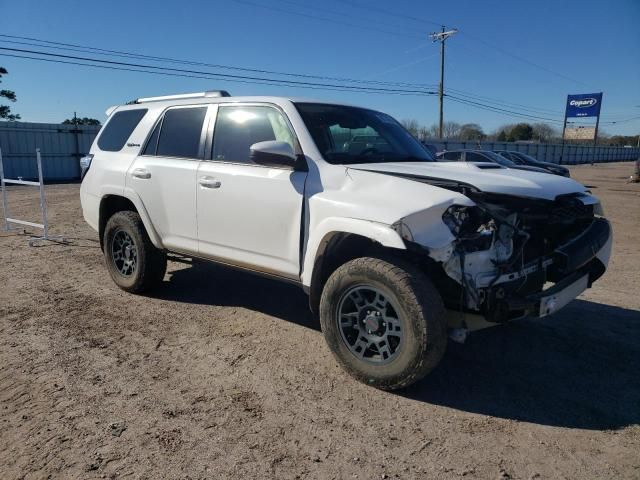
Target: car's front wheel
384,321
134,263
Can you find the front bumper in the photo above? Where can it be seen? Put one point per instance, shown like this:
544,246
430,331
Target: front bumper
581,262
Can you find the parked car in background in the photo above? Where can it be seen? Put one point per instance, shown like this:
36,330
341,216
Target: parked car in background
431,148
483,156
524,159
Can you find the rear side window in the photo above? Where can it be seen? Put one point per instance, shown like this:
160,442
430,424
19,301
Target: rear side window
152,144
239,127
119,128
476,157
178,135
451,156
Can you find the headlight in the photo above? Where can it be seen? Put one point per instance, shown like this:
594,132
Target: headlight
598,211
455,217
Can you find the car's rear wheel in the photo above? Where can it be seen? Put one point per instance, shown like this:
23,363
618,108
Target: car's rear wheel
384,321
134,263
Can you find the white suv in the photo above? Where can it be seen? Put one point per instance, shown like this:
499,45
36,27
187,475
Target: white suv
392,247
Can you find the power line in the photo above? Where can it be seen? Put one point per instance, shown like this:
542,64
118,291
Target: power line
522,59
490,45
325,19
473,96
458,96
125,54
332,11
225,76
612,122
392,13
492,108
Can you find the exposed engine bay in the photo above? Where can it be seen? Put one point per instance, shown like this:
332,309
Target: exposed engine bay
508,248
510,244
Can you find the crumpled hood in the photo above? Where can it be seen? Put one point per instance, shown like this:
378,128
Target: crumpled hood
484,177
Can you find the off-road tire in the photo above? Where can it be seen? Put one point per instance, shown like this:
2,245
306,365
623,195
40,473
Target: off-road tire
425,330
151,262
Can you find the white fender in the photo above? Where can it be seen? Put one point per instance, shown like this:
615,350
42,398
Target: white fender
324,230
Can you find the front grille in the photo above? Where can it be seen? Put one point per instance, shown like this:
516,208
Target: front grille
578,211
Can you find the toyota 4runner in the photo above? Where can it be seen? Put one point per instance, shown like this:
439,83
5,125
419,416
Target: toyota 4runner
394,249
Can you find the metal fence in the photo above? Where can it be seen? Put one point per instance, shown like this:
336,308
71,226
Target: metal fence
61,147
555,153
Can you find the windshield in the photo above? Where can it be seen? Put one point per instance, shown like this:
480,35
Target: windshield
349,135
528,158
499,159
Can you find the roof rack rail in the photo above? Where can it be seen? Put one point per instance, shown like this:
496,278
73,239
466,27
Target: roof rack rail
208,93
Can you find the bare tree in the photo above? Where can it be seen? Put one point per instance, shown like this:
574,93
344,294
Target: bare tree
412,126
424,133
451,129
471,131
544,132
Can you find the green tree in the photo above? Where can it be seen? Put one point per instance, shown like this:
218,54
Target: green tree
502,136
81,121
5,110
522,131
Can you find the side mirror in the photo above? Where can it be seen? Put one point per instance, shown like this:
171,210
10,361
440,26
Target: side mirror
273,153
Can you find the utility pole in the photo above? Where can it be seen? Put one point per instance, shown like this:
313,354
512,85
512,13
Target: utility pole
441,37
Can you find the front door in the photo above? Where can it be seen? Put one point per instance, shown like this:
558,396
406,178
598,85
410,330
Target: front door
250,215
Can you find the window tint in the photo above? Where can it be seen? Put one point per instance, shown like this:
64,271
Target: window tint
449,156
476,157
119,128
516,158
238,127
152,144
180,134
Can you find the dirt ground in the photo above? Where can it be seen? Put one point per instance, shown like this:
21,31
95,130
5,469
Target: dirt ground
221,374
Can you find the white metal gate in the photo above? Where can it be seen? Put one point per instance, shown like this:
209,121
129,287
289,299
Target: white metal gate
8,221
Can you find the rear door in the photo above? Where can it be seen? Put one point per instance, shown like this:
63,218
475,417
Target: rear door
250,215
164,175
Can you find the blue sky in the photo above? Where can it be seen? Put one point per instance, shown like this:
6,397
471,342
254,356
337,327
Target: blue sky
580,46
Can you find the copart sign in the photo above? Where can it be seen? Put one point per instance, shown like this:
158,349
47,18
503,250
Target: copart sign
584,105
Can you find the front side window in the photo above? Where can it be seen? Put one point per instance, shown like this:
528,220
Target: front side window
178,133
511,157
117,131
349,135
238,127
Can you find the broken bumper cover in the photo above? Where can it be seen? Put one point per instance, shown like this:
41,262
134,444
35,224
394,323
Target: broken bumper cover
582,261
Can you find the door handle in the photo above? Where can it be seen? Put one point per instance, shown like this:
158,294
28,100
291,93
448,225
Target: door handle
209,182
142,173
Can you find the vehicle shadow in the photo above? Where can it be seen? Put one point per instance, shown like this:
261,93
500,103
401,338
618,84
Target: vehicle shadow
209,284
577,369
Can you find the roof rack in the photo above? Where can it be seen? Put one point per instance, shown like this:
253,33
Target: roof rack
208,93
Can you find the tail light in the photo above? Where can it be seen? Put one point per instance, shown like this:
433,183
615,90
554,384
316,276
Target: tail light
85,163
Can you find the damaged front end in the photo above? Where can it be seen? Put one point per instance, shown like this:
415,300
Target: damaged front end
514,257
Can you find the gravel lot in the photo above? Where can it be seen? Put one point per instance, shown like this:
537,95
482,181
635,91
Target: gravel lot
225,375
